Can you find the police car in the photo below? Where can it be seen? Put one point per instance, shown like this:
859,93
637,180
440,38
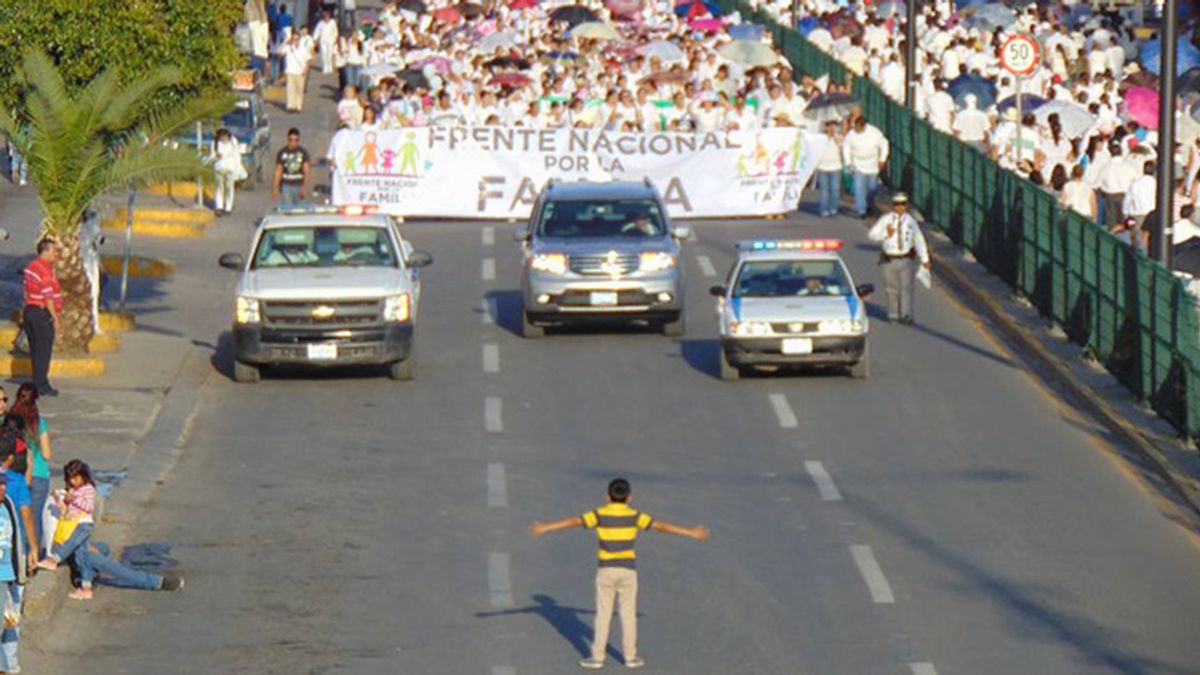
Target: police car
792,303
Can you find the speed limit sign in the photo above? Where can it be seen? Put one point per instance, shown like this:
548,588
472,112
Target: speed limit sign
1020,54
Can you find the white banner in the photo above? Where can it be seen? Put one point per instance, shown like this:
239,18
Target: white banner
497,172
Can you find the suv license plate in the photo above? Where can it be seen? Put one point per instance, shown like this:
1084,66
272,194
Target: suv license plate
322,352
605,299
797,346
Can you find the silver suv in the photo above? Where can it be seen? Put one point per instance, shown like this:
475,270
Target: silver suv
326,287
601,251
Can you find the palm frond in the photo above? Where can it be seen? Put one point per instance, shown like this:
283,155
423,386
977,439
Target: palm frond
130,104
155,125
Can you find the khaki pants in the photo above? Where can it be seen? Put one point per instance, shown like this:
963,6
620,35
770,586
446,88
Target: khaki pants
295,92
611,583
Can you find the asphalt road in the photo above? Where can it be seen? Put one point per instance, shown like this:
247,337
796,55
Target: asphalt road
946,516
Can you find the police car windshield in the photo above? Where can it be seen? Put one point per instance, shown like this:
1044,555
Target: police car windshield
325,247
791,278
631,218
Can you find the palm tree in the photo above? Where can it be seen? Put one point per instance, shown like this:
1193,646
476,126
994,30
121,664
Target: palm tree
82,144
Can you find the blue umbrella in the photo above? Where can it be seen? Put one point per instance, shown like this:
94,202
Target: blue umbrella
992,16
1186,56
983,90
1028,104
683,9
807,25
746,31
963,4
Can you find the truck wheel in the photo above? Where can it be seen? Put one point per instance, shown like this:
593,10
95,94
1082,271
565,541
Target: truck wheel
530,329
675,328
861,370
403,371
729,372
245,372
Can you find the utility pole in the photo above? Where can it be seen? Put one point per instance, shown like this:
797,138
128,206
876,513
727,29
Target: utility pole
1166,135
910,55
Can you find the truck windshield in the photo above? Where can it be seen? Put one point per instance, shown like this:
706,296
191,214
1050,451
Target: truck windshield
791,278
630,218
325,247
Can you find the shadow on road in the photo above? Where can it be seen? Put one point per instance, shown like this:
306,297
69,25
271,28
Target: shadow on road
562,618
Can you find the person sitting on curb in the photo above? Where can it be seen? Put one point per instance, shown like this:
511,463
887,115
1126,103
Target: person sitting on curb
94,564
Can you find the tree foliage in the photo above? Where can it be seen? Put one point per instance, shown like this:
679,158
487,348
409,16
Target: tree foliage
132,38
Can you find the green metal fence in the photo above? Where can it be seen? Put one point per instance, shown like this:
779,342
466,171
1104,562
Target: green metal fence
1129,311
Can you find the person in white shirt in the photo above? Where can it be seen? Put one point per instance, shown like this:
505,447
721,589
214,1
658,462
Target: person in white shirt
865,152
326,34
1113,182
940,106
854,57
971,124
227,164
829,172
891,79
1142,194
349,109
902,247
295,67
1078,195
822,39
1184,229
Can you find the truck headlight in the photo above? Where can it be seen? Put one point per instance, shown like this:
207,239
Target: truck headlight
840,327
551,263
656,262
247,310
397,308
750,328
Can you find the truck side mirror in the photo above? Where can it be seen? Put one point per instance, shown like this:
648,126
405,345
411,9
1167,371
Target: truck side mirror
865,291
682,232
718,290
232,261
420,259
521,234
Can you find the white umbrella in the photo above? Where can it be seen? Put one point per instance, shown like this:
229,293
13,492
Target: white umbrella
748,54
595,30
1075,119
665,50
497,40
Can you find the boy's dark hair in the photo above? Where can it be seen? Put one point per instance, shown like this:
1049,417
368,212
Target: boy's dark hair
294,132
619,490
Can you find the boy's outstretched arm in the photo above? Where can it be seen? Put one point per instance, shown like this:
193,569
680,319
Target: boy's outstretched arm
537,529
699,532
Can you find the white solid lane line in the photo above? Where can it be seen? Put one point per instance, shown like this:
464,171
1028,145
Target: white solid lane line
488,235
825,486
491,359
497,486
922,668
868,567
504,670
499,581
489,311
783,410
488,269
706,266
491,414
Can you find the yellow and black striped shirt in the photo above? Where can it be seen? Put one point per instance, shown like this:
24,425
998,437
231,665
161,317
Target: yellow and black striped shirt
617,527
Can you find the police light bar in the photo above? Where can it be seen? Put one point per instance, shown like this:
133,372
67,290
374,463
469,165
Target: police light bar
356,210
790,245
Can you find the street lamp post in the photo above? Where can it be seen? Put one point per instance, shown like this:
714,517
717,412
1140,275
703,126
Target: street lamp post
910,55
1166,135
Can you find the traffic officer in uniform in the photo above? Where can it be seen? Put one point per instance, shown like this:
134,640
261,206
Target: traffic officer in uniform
902,248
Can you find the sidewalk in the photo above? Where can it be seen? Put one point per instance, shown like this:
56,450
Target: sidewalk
131,423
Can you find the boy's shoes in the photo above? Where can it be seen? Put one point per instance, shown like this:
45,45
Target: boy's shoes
635,662
592,664
171,584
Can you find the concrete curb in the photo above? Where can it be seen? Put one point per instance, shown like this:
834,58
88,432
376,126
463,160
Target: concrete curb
162,215
102,343
1059,372
170,230
117,322
178,189
139,266
12,365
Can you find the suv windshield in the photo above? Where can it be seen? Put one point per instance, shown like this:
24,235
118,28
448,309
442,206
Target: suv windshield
239,117
790,278
632,218
317,246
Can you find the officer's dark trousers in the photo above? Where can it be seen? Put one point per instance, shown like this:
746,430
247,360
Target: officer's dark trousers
39,326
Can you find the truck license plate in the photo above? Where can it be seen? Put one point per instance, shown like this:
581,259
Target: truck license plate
322,352
604,299
797,346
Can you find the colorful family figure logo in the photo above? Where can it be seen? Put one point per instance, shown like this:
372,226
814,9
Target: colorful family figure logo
761,161
371,158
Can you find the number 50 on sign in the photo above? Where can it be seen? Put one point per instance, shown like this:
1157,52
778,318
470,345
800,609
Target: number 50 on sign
1020,54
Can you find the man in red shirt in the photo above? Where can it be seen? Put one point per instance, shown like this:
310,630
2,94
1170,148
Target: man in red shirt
43,302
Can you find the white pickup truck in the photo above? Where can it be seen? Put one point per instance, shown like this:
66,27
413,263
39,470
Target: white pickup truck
326,287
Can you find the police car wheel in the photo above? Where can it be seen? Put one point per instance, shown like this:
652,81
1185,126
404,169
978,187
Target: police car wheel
245,372
861,369
729,372
403,370
675,328
530,329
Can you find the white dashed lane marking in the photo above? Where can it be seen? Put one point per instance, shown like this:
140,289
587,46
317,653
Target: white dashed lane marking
868,567
488,269
783,410
492,419
825,486
706,266
491,358
488,316
922,668
497,486
488,235
499,580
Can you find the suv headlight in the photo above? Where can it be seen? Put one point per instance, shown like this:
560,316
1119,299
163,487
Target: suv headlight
247,310
397,308
551,263
750,328
843,326
656,262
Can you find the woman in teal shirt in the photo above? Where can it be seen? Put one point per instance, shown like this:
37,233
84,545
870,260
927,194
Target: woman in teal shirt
38,440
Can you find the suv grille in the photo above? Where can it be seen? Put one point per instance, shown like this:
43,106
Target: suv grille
794,328
604,265
316,314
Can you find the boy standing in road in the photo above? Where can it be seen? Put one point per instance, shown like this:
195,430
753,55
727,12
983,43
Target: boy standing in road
293,171
617,526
